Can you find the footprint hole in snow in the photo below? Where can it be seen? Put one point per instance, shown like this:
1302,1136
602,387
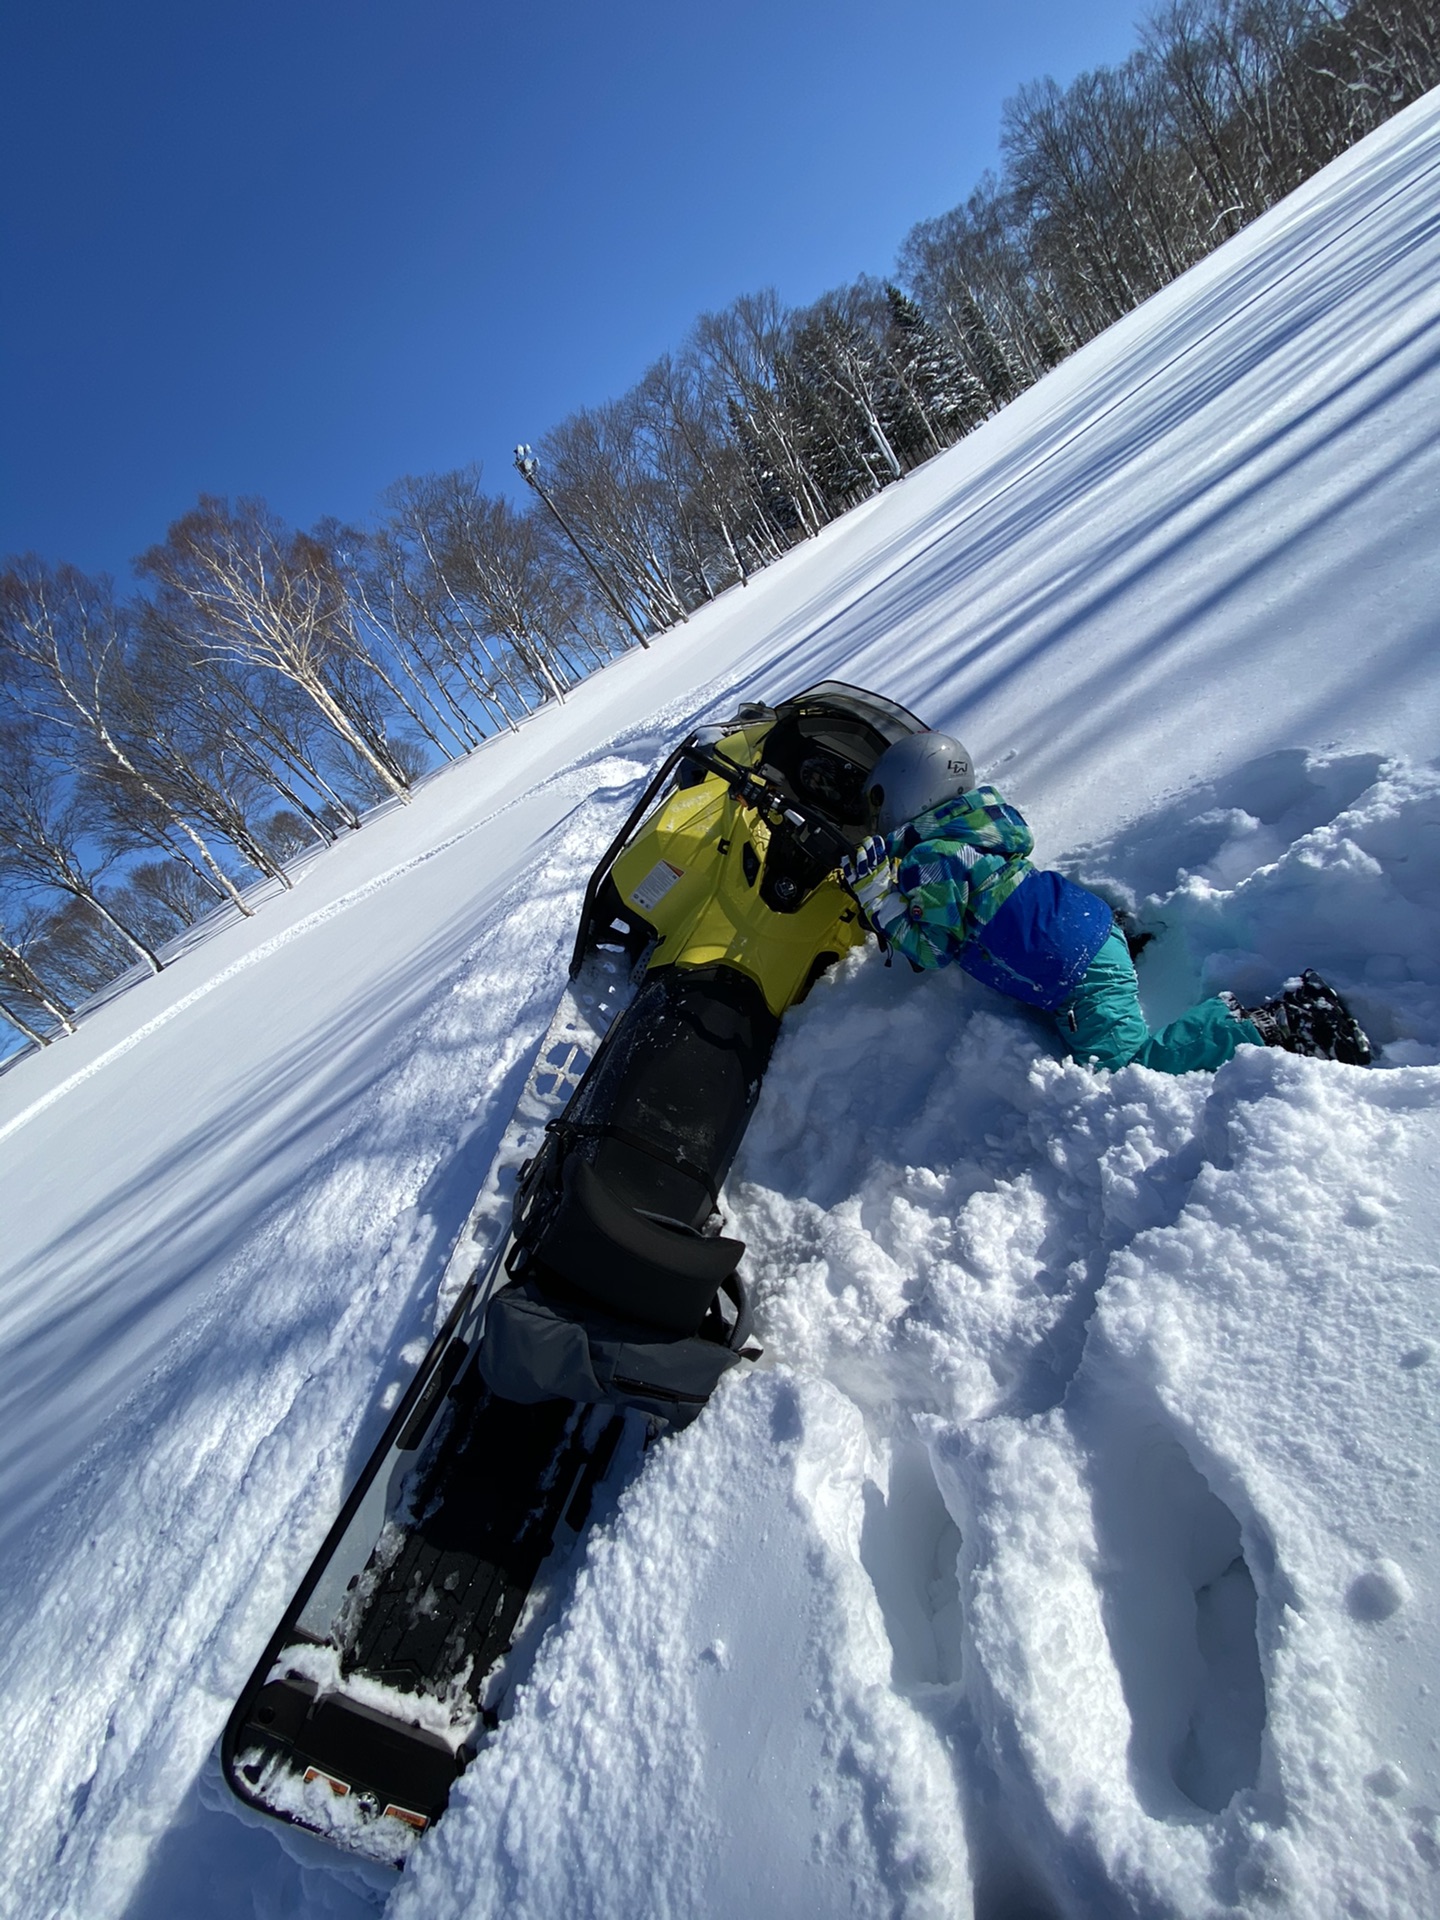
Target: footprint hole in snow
909,1547
786,1423
1425,1836
1220,1752
1004,1889
1180,1607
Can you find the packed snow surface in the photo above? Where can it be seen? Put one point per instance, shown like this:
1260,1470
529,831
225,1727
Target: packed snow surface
1075,1550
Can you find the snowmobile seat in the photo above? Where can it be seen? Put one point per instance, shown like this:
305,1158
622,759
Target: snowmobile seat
668,1097
638,1265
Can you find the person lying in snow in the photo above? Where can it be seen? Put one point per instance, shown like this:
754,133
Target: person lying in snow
948,878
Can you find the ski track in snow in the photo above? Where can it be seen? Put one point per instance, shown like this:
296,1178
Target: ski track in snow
294,932
1073,1553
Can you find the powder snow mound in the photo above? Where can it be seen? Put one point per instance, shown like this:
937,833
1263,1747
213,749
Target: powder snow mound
1078,1557
1154,1334
1221,1544
1294,860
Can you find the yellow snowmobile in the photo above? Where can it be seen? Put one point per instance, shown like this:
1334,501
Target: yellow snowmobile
596,1298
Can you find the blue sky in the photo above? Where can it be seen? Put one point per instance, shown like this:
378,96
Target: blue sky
301,248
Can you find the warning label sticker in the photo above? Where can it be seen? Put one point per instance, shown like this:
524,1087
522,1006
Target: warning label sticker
656,884
338,1787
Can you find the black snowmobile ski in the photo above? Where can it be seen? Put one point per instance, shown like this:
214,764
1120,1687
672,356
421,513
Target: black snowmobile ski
595,1298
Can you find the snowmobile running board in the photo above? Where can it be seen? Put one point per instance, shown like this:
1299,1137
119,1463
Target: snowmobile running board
594,1299
427,1570
475,1555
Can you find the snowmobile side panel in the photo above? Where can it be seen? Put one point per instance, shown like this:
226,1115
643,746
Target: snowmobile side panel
693,874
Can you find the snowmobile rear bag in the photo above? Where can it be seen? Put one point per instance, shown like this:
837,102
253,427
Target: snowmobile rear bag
538,1346
639,1264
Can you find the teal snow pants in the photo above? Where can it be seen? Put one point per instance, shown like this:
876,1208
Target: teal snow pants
1102,1023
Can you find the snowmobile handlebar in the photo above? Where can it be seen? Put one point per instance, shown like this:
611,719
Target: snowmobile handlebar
750,787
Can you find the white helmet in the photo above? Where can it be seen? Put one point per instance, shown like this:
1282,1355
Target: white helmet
917,773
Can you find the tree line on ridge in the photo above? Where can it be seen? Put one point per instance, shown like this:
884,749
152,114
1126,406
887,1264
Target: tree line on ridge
262,687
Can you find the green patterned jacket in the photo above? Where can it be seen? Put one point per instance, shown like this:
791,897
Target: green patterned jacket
955,867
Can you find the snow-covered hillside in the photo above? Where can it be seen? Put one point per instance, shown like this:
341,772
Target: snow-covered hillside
1078,1554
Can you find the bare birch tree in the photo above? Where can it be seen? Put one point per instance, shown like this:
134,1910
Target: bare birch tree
27,997
44,832
64,638
273,599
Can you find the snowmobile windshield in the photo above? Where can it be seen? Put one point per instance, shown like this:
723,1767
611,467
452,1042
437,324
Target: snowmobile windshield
889,719
823,743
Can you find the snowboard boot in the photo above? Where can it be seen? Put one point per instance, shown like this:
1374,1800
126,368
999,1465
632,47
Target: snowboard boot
1136,937
1309,1018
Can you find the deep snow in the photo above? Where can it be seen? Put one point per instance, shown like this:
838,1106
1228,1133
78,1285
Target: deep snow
1074,1552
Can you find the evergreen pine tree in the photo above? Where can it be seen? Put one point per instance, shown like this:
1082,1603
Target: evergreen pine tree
933,382
778,514
826,426
985,352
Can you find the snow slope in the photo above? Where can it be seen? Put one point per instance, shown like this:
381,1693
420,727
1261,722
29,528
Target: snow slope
1077,1553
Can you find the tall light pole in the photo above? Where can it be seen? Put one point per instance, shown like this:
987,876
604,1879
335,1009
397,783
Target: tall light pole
528,467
